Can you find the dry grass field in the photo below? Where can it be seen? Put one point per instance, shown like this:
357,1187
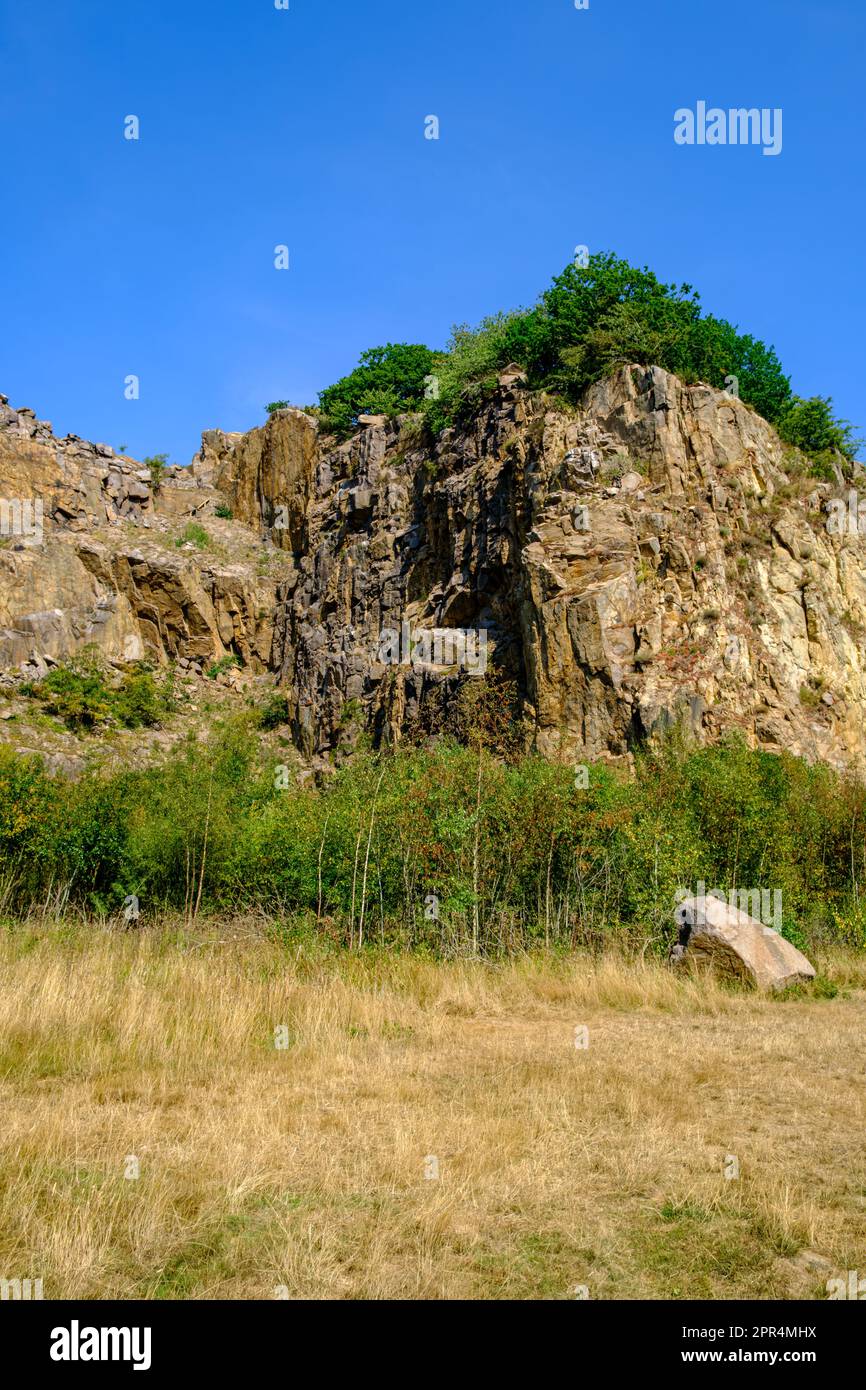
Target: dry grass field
307,1170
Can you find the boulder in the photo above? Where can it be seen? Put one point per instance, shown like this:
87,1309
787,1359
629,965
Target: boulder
361,501
512,375
631,482
737,945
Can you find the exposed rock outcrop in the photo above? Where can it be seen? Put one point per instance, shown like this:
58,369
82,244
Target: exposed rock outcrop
266,475
643,563
654,559
93,553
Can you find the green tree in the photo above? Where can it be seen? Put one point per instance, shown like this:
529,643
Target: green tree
810,425
387,380
591,319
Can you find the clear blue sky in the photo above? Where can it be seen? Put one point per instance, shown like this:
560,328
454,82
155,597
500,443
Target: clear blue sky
306,127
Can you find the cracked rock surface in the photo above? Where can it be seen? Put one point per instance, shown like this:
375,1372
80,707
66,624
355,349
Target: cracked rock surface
653,559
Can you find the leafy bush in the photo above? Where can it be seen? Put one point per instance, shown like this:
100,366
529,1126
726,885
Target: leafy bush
471,358
25,803
225,663
811,426
387,380
608,313
139,701
276,405
511,853
79,698
223,511
157,463
81,694
274,712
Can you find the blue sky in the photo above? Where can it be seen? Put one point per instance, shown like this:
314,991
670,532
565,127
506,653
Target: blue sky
305,127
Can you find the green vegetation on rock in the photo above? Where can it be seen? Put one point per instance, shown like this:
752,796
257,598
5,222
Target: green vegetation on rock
387,381
194,534
590,320
157,463
83,695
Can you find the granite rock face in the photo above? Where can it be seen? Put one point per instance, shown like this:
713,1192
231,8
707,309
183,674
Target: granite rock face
651,560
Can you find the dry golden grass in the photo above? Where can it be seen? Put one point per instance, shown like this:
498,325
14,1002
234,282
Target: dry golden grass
305,1167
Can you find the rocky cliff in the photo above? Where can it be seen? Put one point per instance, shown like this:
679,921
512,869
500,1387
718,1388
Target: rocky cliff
93,552
654,558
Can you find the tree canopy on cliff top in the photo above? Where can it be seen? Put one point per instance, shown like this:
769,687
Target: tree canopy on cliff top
591,319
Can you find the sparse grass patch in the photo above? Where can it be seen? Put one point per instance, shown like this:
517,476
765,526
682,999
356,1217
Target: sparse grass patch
225,663
194,534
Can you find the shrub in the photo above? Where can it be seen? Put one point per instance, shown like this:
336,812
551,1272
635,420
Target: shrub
79,698
25,802
470,357
139,701
609,313
514,851
81,694
274,712
194,534
811,426
387,380
225,663
157,463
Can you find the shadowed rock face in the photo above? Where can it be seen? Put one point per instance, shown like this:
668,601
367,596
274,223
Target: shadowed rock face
645,562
